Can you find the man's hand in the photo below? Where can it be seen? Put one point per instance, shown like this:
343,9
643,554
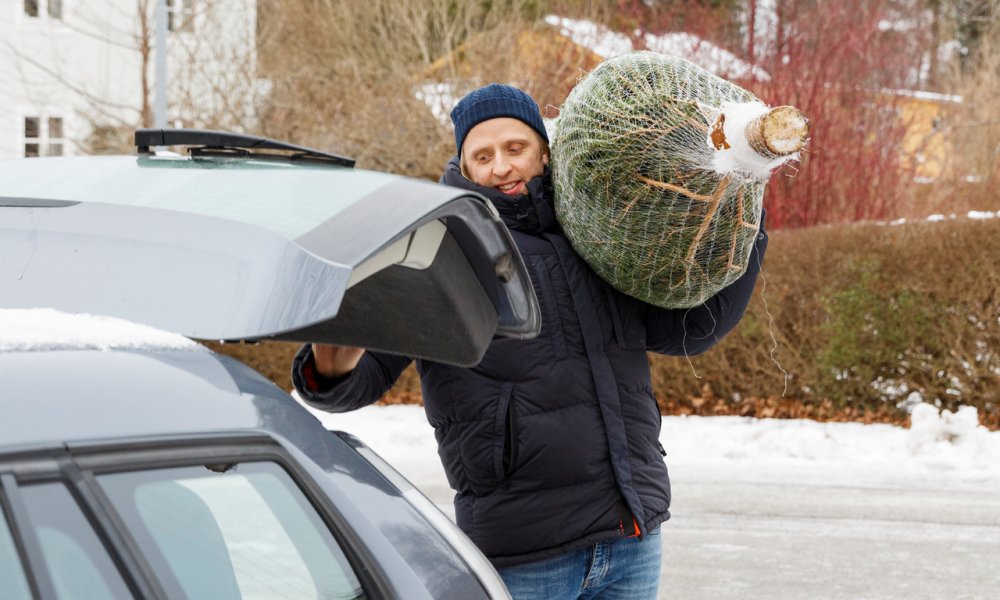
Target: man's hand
334,361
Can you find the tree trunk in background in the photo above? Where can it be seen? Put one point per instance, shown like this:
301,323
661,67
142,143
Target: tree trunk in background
935,45
144,45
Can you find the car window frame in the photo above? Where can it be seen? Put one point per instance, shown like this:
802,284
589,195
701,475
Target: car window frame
76,535
26,543
78,465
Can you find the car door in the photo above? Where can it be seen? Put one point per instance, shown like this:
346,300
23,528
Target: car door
200,518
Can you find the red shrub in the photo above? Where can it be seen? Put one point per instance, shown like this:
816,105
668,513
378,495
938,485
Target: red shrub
840,64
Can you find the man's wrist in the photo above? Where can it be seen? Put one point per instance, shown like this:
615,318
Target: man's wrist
316,381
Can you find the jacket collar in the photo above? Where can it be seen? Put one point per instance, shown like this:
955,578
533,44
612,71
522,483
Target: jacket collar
529,213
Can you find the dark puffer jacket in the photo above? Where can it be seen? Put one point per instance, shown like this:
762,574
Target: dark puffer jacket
551,443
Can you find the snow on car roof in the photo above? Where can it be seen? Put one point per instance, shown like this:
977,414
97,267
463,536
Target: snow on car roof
38,329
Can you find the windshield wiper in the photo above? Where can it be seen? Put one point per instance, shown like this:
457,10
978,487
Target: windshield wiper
208,143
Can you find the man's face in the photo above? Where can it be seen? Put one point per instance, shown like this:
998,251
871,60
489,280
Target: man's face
505,154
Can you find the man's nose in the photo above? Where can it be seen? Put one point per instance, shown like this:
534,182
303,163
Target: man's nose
501,166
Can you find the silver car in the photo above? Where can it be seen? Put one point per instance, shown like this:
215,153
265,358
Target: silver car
135,463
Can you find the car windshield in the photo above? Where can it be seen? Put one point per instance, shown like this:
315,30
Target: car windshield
231,531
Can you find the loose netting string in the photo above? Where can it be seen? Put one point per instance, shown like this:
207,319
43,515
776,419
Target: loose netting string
660,169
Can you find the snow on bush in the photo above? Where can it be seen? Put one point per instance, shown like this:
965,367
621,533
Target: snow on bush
931,428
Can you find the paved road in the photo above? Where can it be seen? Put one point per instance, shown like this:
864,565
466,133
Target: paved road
752,541
764,541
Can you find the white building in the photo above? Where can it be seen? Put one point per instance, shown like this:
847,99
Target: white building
70,66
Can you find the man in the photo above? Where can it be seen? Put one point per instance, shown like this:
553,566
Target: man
551,443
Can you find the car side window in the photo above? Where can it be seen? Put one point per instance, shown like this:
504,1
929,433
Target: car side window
75,558
241,530
14,582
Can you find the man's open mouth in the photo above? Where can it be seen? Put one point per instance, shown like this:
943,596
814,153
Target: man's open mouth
509,188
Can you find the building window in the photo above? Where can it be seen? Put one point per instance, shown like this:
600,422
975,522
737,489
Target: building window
180,15
32,136
55,139
43,137
53,9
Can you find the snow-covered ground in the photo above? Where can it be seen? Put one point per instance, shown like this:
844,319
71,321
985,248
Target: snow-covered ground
949,448
767,508
604,42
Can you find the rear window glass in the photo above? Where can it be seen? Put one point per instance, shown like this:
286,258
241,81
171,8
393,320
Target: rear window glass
14,583
231,531
75,558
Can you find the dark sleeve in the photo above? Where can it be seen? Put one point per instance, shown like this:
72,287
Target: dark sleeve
372,378
692,331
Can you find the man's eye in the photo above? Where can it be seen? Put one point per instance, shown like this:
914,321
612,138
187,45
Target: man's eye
515,150
482,158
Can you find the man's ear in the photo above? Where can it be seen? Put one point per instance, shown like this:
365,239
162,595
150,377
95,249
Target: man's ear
545,159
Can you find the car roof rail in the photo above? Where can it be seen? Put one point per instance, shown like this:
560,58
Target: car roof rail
227,143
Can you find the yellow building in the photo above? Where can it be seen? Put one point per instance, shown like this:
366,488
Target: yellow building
927,146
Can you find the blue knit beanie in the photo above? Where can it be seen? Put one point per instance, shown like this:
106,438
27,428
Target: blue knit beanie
492,101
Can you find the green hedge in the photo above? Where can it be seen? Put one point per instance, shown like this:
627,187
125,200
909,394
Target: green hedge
860,317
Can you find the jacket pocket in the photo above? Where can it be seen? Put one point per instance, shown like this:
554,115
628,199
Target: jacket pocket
505,440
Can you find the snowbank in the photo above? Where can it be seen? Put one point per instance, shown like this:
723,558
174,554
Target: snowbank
942,449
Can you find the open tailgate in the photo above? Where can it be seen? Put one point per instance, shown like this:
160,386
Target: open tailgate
252,250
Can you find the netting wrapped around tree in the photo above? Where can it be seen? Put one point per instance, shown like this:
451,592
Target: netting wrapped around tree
660,168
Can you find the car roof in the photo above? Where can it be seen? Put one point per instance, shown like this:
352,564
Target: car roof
82,377
246,247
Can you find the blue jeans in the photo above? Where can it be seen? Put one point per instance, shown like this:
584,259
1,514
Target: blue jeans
619,569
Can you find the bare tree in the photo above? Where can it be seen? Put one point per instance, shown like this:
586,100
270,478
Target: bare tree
842,65
343,75
212,67
975,126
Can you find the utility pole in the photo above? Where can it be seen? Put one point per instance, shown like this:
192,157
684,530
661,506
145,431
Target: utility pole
160,106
